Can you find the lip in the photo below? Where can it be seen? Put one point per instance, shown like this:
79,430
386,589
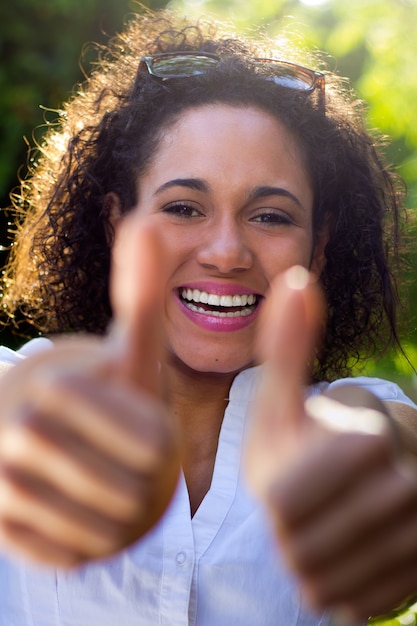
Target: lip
219,324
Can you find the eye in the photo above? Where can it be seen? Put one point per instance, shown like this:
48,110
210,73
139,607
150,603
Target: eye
273,218
183,210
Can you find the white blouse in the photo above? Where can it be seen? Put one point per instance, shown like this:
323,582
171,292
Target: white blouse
220,568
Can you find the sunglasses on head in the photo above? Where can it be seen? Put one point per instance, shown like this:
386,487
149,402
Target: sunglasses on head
184,64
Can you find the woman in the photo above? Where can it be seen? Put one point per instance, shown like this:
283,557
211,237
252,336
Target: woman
232,183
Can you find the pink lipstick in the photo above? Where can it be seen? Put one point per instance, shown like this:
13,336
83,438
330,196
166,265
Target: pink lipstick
219,307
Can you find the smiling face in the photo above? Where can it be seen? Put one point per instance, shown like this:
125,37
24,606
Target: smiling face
234,205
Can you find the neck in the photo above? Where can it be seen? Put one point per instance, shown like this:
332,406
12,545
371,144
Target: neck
198,400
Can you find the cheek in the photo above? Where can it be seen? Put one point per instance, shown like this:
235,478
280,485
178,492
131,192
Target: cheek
178,243
279,255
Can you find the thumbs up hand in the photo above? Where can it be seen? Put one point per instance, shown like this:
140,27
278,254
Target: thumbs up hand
89,455
341,496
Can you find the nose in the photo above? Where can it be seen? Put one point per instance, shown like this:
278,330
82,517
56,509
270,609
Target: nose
223,248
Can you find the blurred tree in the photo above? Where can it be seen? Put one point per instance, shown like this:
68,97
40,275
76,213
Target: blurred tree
372,42
41,42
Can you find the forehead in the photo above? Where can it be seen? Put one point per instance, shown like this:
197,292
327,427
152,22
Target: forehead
243,139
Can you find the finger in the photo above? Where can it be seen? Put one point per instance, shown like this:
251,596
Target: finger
113,422
388,593
324,474
357,516
31,544
99,452
367,568
137,286
56,456
29,502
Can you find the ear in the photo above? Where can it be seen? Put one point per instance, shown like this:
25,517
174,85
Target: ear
318,257
112,211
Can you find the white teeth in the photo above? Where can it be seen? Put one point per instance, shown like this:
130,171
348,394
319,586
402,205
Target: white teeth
226,301
195,295
213,299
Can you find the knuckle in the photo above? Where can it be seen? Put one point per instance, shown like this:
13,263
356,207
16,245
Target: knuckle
375,449
15,443
316,593
10,491
406,482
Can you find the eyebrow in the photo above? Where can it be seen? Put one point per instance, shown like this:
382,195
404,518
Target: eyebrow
197,184
265,191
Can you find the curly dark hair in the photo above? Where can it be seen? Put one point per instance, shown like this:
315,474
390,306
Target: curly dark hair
57,276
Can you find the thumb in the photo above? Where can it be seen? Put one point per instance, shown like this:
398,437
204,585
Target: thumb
137,284
288,332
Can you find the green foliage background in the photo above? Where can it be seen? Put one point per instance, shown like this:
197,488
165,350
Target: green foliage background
373,42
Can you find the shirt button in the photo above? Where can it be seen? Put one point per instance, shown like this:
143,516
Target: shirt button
181,557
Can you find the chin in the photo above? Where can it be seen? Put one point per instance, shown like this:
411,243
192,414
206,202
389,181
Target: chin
213,366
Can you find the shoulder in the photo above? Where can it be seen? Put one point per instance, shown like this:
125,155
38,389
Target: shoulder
34,346
385,390
10,357
397,405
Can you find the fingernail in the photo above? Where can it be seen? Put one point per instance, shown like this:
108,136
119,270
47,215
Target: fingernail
297,277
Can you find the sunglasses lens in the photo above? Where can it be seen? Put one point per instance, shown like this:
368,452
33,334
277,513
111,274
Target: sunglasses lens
289,76
182,65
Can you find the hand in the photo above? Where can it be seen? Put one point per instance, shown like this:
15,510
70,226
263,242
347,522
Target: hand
341,495
89,455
